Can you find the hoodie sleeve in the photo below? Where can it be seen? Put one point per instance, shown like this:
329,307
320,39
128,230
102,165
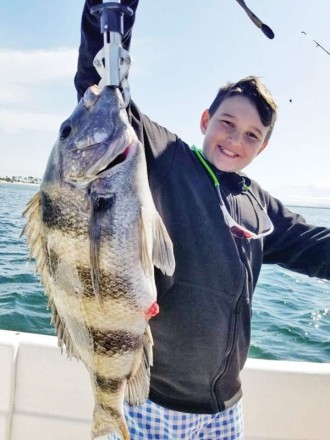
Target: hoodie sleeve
156,139
296,245
92,41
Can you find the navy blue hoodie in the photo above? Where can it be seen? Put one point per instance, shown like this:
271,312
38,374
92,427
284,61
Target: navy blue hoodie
202,333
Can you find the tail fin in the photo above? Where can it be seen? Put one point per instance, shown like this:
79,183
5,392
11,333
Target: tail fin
109,421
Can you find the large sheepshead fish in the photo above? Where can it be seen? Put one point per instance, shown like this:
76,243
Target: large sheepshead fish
96,235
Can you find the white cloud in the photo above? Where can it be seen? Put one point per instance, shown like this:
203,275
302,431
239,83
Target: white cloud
28,83
14,121
304,194
32,67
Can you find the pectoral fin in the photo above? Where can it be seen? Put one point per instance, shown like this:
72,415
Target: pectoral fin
156,245
146,245
162,252
100,208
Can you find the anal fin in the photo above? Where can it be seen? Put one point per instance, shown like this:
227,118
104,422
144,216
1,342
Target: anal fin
138,384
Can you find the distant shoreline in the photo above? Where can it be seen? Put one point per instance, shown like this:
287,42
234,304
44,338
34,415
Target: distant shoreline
291,204
18,183
297,205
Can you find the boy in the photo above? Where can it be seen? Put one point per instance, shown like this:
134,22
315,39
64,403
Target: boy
223,227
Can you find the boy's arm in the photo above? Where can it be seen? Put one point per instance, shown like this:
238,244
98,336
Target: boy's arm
296,245
92,41
156,139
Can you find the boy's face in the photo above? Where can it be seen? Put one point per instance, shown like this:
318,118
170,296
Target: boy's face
234,135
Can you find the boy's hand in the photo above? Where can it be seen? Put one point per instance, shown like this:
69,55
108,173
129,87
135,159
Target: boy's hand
92,42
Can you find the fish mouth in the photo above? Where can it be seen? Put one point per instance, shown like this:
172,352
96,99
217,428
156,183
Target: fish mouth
115,154
122,157
105,165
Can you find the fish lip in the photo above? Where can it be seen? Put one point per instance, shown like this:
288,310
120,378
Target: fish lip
112,152
103,167
118,160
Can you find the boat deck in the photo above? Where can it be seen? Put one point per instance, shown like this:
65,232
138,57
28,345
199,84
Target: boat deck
46,396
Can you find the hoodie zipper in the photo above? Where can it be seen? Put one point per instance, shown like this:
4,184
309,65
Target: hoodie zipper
231,344
234,213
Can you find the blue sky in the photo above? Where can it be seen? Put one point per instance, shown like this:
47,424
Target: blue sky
182,52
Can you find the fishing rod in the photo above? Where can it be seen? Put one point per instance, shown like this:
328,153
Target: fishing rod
264,28
317,44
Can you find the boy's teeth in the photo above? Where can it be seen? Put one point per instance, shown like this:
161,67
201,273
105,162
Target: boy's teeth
228,152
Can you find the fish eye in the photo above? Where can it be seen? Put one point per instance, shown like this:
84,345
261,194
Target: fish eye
65,131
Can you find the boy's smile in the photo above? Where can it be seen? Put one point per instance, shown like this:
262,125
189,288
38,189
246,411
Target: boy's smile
234,135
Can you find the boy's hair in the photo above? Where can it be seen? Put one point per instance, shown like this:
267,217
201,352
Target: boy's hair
257,93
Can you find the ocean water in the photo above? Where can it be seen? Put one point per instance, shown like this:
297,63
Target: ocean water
291,312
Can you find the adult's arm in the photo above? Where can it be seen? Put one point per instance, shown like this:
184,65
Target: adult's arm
92,41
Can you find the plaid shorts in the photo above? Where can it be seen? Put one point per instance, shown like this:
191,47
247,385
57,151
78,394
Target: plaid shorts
150,422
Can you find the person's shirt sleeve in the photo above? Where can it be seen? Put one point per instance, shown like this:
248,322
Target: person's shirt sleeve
159,143
92,41
296,245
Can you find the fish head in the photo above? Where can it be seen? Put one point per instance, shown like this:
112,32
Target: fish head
93,140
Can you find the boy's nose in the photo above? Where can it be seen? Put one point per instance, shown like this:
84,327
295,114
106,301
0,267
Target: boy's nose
235,138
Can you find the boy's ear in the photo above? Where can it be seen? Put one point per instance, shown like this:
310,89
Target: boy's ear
204,121
263,146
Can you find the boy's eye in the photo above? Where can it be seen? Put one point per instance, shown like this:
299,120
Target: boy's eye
228,123
252,136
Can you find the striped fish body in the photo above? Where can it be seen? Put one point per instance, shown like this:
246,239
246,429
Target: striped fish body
96,236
